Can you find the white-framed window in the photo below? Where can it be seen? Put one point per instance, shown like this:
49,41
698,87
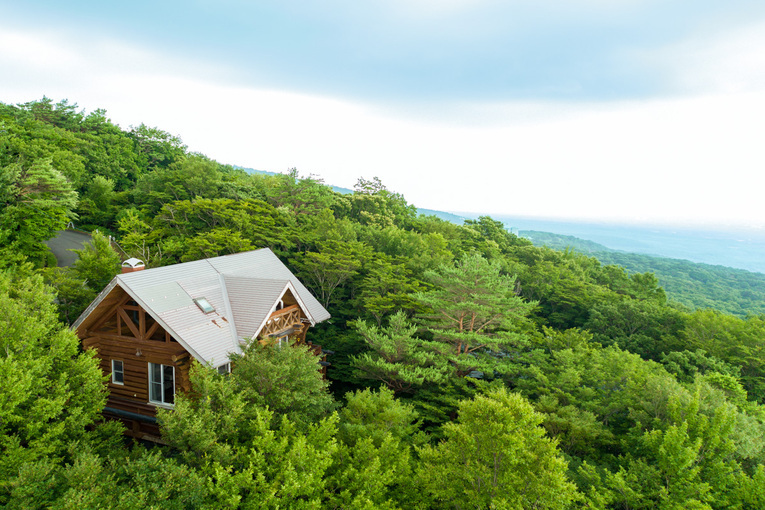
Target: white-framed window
161,384
224,369
118,372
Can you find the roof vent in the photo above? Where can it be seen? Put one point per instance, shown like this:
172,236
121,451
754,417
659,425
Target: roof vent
204,305
132,265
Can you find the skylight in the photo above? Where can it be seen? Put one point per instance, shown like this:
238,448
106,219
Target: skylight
204,305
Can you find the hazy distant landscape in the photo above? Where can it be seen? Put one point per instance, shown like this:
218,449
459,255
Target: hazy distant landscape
741,249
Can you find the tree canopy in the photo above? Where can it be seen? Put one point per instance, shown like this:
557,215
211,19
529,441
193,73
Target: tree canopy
470,368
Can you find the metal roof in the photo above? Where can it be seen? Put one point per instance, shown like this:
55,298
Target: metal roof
252,301
243,288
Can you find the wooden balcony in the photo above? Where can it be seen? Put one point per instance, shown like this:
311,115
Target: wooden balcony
288,320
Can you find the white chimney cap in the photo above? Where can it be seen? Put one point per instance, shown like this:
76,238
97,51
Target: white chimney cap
134,263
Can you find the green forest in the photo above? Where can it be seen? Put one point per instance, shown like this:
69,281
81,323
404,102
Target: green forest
471,369
695,285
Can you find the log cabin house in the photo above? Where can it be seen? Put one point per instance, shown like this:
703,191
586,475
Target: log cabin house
147,325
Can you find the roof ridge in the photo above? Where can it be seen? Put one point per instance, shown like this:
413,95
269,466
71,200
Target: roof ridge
229,311
212,266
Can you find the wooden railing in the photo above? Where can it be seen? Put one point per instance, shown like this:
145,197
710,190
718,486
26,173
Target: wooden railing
282,320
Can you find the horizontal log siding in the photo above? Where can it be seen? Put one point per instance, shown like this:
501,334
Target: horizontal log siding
133,395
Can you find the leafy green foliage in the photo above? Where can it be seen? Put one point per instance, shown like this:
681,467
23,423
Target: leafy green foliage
386,288
373,204
374,463
694,285
496,455
324,271
733,340
36,200
250,454
50,390
643,327
369,414
286,380
140,479
397,358
76,286
651,404
475,308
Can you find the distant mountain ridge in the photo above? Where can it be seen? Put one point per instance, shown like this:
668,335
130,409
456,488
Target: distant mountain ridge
561,242
693,284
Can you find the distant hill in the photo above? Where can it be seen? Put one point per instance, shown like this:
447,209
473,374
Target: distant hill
253,171
446,216
693,284
561,242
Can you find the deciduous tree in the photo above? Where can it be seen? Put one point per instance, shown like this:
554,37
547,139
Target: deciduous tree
50,391
496,456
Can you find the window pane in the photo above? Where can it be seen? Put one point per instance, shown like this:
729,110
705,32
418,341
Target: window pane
161,383
169,384
155,372
117,372
155,382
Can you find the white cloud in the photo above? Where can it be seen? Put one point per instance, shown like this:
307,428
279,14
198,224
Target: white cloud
690,161
728,62
19,48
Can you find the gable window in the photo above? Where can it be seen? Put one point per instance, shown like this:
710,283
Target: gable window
161,384
224,369
118,372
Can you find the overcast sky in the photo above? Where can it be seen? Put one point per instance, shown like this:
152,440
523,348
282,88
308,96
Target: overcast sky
615,110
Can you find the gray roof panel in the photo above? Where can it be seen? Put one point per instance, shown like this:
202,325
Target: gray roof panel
165,296
252,300
264,264
243,288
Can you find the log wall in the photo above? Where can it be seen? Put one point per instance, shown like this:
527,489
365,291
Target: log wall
127,334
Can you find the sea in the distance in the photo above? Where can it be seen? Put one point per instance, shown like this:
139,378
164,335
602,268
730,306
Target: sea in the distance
738,248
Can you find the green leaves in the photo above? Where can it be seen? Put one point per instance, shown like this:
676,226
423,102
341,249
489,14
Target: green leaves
496,455
37,200
398,359
49,391
733,340
335,263
262,435
286,380
475,309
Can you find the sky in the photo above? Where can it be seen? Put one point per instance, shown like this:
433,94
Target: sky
635,111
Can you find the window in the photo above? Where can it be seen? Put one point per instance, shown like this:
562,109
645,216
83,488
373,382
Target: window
161,384
224,369
118,372
204,305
